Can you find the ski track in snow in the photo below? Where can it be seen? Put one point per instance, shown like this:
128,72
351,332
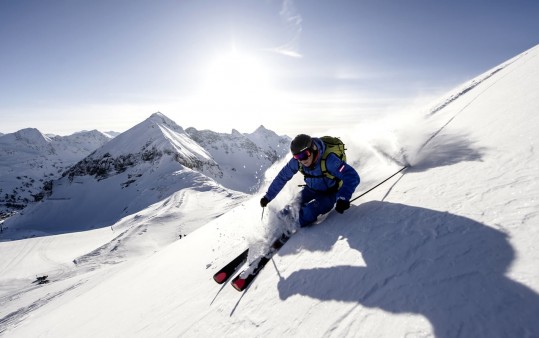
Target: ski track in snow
14,318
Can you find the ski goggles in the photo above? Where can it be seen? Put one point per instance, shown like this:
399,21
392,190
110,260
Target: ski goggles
303,155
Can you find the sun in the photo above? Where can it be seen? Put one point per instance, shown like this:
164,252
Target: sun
234,77
235,89
235,82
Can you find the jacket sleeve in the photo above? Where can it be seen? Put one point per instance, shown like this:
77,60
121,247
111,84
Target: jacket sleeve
343,171
285,175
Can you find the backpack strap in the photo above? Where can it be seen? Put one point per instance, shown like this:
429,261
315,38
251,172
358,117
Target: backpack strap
325,171
323,167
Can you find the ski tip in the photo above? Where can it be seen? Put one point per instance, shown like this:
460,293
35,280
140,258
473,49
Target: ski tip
239,284
220,277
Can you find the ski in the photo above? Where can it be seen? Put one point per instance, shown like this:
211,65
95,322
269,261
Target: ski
228,270
240,282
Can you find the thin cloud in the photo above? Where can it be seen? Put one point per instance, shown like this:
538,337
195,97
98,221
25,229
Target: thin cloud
293,21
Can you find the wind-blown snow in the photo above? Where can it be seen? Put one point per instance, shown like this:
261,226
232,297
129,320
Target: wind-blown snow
447,249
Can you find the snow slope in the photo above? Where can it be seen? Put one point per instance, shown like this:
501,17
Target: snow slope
447,249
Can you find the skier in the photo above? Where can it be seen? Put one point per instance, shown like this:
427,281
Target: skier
330,181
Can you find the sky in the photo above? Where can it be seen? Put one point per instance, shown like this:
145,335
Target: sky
73,65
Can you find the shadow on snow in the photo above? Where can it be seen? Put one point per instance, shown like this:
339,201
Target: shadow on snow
447,268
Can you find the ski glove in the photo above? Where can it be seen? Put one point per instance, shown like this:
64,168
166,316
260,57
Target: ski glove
342,205
263,202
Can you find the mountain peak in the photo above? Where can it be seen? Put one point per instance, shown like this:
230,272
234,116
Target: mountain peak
28,138
31,135
261,129
160,119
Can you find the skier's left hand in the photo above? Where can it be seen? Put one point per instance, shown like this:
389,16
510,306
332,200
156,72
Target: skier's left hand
342,205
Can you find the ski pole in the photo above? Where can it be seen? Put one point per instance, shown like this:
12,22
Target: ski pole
379,184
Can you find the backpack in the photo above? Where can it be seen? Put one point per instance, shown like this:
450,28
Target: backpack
333,145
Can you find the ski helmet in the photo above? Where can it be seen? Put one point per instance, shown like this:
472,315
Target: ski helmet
300,143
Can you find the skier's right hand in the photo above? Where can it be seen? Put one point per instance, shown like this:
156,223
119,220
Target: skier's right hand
263,202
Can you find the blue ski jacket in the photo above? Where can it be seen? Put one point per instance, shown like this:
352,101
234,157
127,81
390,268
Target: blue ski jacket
315,179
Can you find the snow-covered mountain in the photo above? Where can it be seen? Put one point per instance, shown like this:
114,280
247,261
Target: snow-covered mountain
242,158
445,249
29,161
144,165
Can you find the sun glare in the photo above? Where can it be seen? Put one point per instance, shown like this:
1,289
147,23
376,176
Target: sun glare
235,77
236,85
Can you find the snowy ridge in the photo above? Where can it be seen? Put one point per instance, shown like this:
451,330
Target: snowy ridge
31,140
84,142
155,139
466,88
29,161
447,249
463,89
241,155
